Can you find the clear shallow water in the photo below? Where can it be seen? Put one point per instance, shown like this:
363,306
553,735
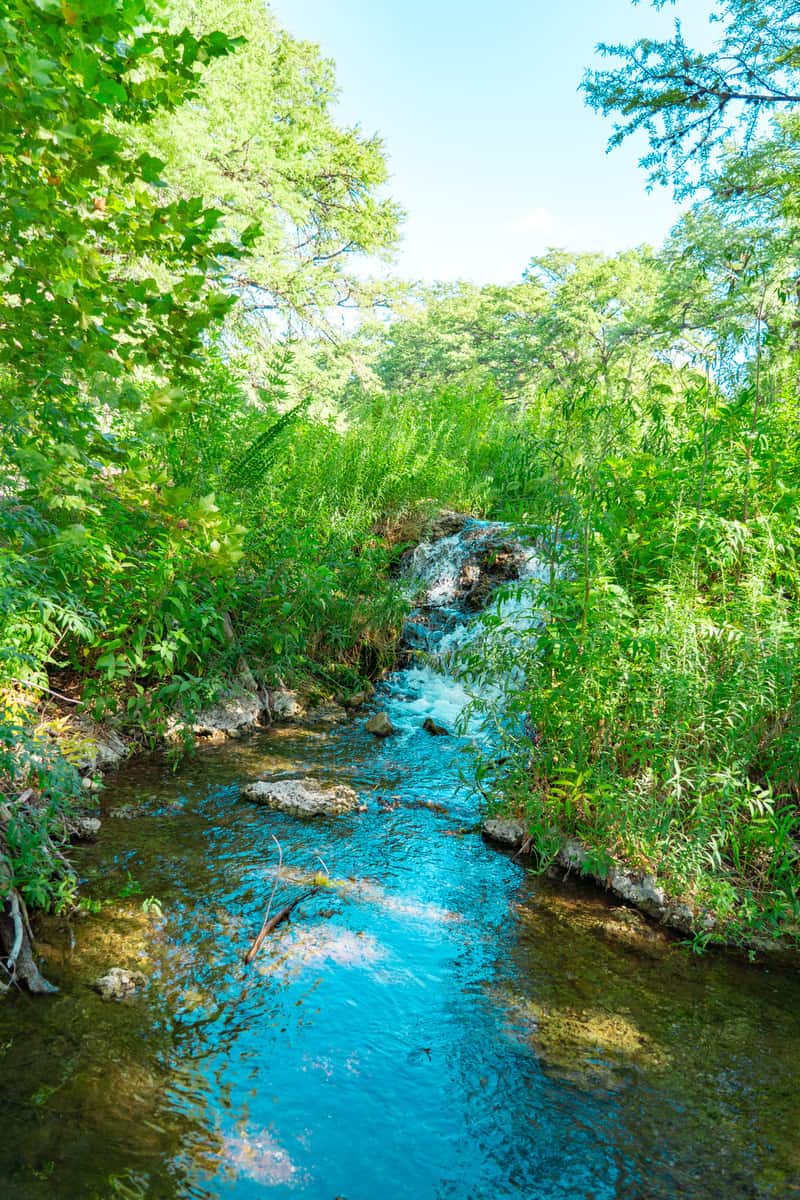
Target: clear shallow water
445,1025
440,1024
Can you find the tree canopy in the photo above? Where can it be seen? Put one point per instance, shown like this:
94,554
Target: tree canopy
690,102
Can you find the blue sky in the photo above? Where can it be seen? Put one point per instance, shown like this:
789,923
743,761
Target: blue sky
492,151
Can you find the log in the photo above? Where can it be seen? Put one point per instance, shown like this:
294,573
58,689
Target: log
272,923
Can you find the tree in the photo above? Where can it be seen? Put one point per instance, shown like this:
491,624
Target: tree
79,329
108,288
688,102
265,140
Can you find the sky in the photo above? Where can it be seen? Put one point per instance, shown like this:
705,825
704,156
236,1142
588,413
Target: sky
492,151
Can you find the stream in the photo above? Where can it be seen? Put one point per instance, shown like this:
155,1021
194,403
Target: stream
439,1024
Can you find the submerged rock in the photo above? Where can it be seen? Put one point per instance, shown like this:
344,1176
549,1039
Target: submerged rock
125,812
432,727
119,984
380,725
326,714
302,797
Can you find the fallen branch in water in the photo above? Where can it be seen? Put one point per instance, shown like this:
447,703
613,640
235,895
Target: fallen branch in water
272,923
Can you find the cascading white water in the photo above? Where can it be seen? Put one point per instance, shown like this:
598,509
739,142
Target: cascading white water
446,624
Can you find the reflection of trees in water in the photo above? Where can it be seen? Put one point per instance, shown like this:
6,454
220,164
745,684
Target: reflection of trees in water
87,1109
685,1068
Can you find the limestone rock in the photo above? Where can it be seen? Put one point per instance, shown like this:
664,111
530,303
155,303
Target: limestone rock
380,725
445,524
231,715
286,705
119,984
82,829
507,831
302,797
102,748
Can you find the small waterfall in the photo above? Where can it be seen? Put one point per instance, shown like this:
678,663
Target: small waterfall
461,574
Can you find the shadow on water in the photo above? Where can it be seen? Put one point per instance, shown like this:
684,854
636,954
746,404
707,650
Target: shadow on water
438,1024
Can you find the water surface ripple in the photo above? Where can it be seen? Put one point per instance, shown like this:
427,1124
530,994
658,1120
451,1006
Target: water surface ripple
439,1024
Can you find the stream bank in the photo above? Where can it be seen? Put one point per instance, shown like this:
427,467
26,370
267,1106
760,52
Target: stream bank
458,568
436,1021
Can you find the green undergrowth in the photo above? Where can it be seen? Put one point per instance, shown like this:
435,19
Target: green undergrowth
39,791
658,724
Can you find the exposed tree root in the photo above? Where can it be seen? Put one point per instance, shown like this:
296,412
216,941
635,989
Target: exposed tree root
17,964
16,948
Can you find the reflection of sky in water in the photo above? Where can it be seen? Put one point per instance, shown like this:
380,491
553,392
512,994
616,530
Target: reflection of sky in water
437,1024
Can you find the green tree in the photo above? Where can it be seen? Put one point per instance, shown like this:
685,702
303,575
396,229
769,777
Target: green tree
688,102
265,140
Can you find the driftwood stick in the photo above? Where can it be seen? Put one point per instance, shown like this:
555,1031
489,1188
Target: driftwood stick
272,923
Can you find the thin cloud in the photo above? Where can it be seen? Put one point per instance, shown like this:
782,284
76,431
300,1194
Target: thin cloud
544,227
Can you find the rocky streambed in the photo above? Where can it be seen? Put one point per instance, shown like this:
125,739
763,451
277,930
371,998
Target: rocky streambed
435,1020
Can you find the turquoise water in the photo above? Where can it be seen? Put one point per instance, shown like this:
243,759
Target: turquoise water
440,1024
437,1024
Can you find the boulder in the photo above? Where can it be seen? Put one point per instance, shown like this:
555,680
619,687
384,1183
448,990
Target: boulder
445,524
507,831
302,797
230,716
493,564
380,725
119,984
286,705
436,730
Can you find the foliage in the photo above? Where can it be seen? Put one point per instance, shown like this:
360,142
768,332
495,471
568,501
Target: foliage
265,141
38,790
689,103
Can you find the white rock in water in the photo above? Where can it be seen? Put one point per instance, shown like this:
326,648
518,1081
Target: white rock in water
119,984
302,797
380,725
